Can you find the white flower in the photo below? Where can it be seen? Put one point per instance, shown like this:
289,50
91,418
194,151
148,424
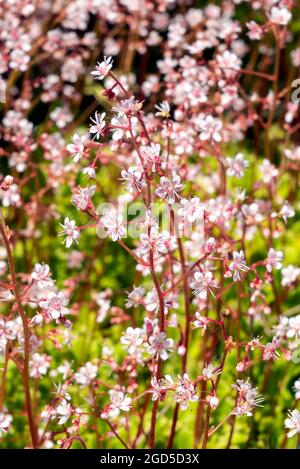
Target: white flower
76,148
157,388
5,421
102,69
122,127
201,322
294,154
38,365
288,327
274,259
41,276
133,338
185,392
69,229
238,264
270,350
155,242
229,63
154,159
247,399
102,300
210,129
152,301
293,422
297,389
98,124
287,211
191,209
294,327
210,371
159,345
135,297
86,374
133,179
90,172
63,411
119,401
236,165
169,189
280,15
289,275
82,199
11,196
113,224
213,401
203,283
55,305
269,171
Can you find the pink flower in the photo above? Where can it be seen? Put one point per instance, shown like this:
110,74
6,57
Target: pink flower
55,305
293,422
154,159
98,124
203,283
102,68
169,189
238,264
255,30
155,242
210,129
69,229
86,374
236,165
82,199
38,365
201,322
185,392
77,147
270,350
133,179
113,224
133,338
63,411
119,401
247,399
159,345
274,260
5,421
280,15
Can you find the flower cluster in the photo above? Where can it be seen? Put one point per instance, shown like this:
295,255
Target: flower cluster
148,222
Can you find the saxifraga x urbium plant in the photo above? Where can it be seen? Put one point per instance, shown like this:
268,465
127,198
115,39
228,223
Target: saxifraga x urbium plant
159,140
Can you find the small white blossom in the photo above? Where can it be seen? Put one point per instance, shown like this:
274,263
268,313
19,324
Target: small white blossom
113,224
238,264
85,375
203,283
169,189
293,422
236,166
70,230
102,69
5,421
159,345
98,125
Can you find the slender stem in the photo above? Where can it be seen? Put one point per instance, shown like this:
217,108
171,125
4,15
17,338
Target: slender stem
117,435
25,370
186,334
